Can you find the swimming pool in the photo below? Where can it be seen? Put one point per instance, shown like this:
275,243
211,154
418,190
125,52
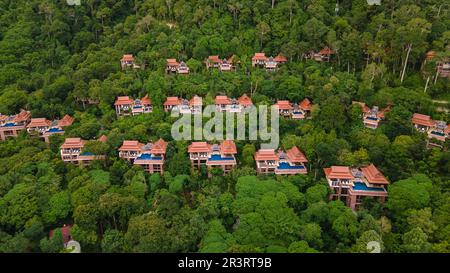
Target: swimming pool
359,186
286,166
148,157
219,157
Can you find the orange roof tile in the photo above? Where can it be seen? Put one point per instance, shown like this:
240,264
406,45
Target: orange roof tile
123,100
259,57
214,59
222,100
199,147
228,147
73,142
338,172
22,116
146,100
196,101
326,51
295,155
172,101
266,154
373,175
284,105
447,129
131,145
244,100
172,62
39,122
159,147
280,59
102,138
128,58
364,107
305,104
423,120
65,121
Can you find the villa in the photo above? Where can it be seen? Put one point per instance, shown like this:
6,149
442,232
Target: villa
213,155
269,63
149,156
435,129
125,106
225,104
294,111
127,61
322,55
290,162
72,151
351,185
184,106
45,128
11,126
372,117
173,66
222,64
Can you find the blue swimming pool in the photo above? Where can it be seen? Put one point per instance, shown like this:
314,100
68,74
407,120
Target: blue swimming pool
137,107
286,166
148,157
54,130
371,118
10,124
358,186
219,157
437,133
87,153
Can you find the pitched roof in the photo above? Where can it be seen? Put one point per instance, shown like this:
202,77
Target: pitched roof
146,100
430,55
196,101
73,142
172,101
326,51
159,147
123,100
373,175
280,59
305,104
245,100
295,155
65,121
259,57
222,100
128,58
364,107
338,172
447,129
199,147
22,116
131,145
172,62
214,59
423,120
266,154
284,105
228,147
102,138
39,122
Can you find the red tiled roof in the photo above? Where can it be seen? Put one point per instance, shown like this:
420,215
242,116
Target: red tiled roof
447,129
228,147
195,101
280,59
244,100
338,172
364,107
65,121
128,58
172,101
159,147
305,104
73,142
22,116
131,145
430,55
284,105
146,100
373,175
423,120
259,57
266,154
222,100
102,138
214,59
199,147
39,122
172,62
123,100
295,155
326,51
383,112
65,231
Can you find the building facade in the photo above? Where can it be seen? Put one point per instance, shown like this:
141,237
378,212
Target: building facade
280,162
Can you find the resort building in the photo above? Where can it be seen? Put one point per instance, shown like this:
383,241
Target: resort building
435,129
269,63
11,126
127,61
294,110
372,117
443,68
225,104
323,55
45,128
184,106
125,106
72,151
173,66
290,162
351,185
222,64
213,155
149,156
